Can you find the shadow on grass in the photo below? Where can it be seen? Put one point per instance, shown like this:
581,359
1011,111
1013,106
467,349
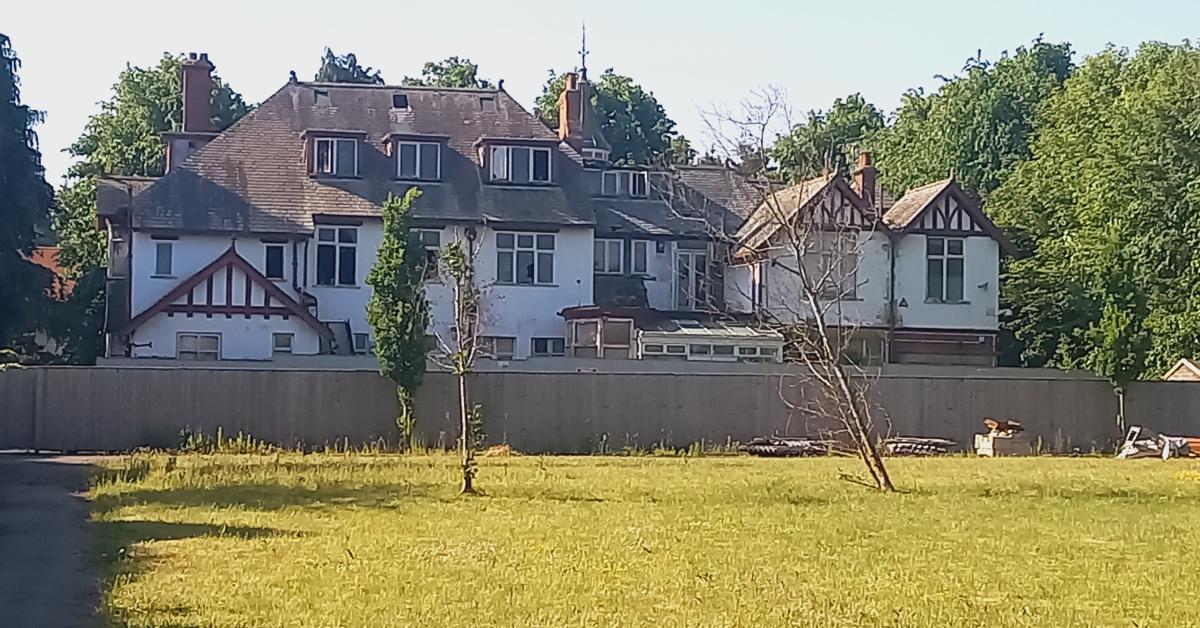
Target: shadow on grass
275,496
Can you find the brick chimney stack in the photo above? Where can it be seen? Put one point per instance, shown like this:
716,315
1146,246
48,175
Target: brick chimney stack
570,109
197,94
864,178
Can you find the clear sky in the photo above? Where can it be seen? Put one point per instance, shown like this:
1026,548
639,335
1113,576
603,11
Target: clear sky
692,55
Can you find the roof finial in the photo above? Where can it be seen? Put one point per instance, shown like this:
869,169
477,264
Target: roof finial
583,52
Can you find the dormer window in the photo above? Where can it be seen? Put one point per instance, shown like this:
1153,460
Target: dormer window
418,160
335,156
594,154
637,184
623,182
520,164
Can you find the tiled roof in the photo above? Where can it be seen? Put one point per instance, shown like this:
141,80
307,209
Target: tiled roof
780,208
253,177
914,201
687,201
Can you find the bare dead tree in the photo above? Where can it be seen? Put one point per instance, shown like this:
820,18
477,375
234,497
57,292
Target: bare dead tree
810,238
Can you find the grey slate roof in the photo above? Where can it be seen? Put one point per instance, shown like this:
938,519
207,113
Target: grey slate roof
914,201
687,201
253,177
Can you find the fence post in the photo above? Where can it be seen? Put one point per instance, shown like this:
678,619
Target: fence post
39,376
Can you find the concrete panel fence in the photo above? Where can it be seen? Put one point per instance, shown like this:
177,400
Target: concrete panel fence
119,408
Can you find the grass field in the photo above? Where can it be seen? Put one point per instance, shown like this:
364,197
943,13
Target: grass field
333,540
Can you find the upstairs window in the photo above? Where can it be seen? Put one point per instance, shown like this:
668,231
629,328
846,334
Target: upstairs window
944,269
163,253
273,265
431,241
637,184
525,258
335,156
606,257
520,164
337,256
418,160
640,257
610,183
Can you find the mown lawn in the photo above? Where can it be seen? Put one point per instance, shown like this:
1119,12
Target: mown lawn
355,540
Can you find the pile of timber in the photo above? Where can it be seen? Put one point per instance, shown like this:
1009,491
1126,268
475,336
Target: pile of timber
912,446
776,447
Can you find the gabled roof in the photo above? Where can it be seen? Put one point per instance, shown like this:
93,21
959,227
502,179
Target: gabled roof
786,204
1184,370
253,176
904,214
229,260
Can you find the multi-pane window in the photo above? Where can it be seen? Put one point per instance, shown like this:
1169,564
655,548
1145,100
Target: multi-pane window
431,241
637,184
499,347
282,343
336,156
548,347
337,256
191,346
691,279
520,164
273,264
616,338
525,258
944,269
418,160
163,252
639,259
606,257
610,183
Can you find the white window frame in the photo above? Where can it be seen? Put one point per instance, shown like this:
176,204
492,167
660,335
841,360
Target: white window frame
267,248
196,353
534,249
692,302
597,154
361,342
488,344
638,175
610,183
332,142
417,147
433,252
644,245
551,351
159,247
945,257
337,245
500,164
278,348
606,245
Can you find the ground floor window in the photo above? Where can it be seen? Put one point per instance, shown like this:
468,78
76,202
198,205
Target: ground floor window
498,347
548,347
282,343
194,346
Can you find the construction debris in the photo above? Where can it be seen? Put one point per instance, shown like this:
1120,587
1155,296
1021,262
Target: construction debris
912,446
1141,442
775,447
1003,438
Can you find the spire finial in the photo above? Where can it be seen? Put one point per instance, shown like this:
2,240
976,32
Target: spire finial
583,51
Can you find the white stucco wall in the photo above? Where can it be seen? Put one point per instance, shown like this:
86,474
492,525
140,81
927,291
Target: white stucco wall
522,311
190,254
981,293
785,299
241,338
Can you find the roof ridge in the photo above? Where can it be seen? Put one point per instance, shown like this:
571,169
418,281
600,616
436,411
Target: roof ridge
929,185
427,88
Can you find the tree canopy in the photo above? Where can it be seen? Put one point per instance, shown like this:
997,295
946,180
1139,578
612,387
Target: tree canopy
632,120
827,140
1108,209
25,200
449,72
976,126
345,69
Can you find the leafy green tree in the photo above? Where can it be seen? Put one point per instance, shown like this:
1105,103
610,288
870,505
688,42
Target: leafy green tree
632,120
827,140
449,72
1107,209
123,138
977,125
345,69
397,310
25,200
